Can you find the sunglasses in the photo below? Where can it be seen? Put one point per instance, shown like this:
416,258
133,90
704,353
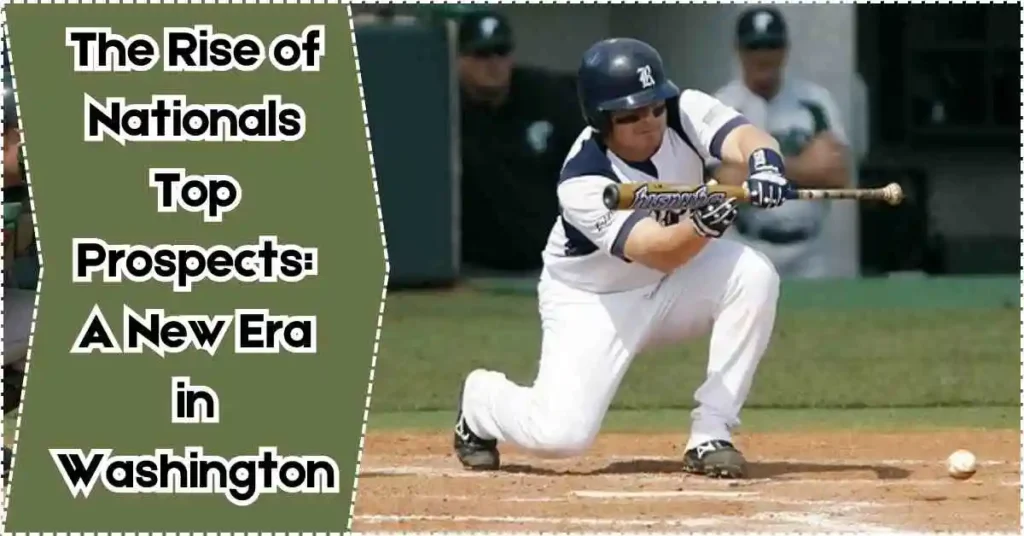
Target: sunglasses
637,115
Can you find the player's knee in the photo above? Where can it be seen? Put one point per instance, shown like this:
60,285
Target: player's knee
567,442
560,436
760,278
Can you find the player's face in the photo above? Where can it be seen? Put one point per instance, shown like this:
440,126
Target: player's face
762,69
639,132
12,169
487,70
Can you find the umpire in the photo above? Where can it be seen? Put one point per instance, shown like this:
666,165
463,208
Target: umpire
518,123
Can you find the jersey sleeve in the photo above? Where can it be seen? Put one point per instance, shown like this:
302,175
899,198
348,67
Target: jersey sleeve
834,119
583,208
712,119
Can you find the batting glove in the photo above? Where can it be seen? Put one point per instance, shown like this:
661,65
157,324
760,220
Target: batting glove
711,220
767,183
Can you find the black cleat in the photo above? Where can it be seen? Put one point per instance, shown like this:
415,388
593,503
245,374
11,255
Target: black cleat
474,453
716,459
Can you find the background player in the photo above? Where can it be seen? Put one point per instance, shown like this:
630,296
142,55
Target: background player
617,282
803,118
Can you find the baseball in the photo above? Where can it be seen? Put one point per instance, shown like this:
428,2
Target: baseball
961,464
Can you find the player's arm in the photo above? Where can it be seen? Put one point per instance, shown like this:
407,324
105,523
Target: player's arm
632,235
729,137
825,161
739,145
822,164
723,133
663,248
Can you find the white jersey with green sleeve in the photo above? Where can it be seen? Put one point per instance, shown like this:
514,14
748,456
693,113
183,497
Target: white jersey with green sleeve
790,235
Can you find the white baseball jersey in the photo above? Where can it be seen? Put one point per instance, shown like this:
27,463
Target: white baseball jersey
789,235
585,246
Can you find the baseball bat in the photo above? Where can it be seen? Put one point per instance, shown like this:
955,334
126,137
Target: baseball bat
664,196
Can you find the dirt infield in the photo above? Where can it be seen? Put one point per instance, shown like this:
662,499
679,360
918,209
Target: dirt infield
820,482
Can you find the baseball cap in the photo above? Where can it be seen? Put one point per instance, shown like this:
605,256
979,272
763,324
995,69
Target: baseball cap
482,32
761,27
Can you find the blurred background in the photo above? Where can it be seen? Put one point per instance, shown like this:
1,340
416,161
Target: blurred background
472,112
472,109
928,95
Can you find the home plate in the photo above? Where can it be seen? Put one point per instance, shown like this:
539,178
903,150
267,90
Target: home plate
595,494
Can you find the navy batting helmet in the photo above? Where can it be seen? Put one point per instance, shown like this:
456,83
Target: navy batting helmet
621,74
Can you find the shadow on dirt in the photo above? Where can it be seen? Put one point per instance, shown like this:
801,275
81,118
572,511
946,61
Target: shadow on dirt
755,470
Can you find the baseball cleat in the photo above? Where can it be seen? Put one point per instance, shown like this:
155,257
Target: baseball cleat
716,459
474,453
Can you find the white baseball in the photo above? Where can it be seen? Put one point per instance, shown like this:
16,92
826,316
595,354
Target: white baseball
961,464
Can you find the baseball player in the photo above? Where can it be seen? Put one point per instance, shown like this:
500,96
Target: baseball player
617,282
19,313
19,300
804,119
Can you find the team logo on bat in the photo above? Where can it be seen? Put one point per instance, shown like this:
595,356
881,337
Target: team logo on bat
648,197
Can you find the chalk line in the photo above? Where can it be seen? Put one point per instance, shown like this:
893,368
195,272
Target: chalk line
615,494
774,520
581,521
734,496
414,470
820,522
830,506
619,458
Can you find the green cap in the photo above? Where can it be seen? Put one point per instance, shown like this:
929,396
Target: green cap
762,27
485,32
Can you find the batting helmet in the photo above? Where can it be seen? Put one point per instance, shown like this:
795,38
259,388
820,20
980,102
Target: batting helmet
621,74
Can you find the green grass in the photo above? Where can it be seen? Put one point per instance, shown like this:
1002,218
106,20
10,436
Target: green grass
906,292
823,355
759,420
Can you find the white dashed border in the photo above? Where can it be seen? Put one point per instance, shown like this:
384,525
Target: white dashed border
387,271
380,317
39,282
383,296
1021,14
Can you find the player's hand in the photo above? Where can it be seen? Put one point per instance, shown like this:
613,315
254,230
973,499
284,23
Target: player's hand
712,220
767,183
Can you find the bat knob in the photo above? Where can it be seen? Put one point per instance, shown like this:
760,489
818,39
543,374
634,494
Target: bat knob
611,197
893,194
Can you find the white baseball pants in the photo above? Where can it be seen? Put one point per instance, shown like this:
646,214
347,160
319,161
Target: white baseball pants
589,341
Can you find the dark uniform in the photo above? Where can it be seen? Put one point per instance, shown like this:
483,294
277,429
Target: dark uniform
512,155
12,378
18,192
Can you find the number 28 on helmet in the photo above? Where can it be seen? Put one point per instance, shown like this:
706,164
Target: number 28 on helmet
621,74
